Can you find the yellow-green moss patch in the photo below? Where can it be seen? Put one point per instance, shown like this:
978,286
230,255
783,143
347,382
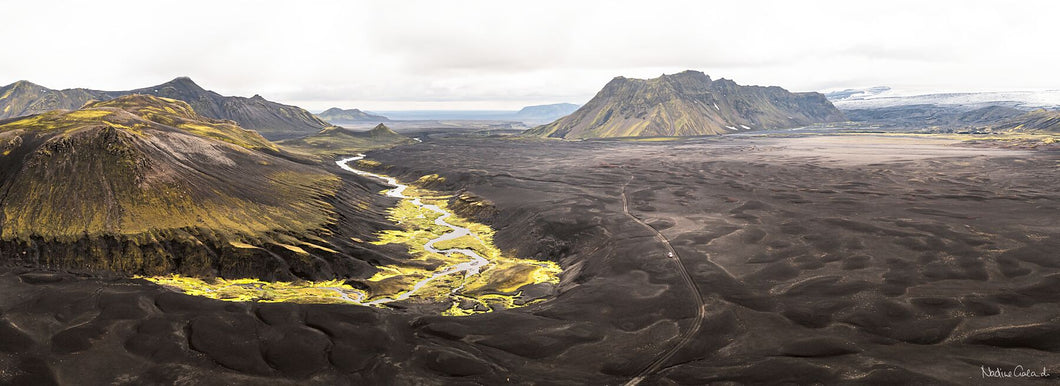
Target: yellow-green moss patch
253,290
497,285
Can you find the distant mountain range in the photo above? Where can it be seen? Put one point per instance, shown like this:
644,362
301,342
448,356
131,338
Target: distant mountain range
852,93
932,115
337,116
880,106
882,96
688,103
529,115
273,120
545,113
335,141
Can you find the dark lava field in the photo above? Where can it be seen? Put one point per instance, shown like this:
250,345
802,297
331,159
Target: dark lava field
818,259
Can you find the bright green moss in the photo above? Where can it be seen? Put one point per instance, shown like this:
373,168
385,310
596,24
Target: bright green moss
87,114
496,286
500,279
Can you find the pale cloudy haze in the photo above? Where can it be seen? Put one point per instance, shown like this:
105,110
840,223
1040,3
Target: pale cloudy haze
504,55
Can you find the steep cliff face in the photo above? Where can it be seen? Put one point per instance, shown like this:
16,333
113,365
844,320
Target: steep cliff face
273,120
688,103
145,185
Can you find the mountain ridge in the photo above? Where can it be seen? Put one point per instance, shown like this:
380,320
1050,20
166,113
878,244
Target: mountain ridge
545,113
928,115
273,120
884,97
688,103
338,116
530,115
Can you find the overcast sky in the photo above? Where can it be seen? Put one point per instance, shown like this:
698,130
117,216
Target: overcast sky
396,55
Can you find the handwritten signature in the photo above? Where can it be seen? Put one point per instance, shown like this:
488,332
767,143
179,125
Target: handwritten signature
1017,372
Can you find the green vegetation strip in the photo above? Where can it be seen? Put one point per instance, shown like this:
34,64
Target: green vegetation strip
498,285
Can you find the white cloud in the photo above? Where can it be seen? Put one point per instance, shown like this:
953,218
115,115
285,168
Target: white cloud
504,54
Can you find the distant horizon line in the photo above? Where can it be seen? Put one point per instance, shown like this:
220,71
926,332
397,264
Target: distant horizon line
314,106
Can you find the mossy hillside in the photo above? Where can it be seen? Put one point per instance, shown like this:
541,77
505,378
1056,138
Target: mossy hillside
687,104
91,175
123,183
1037,121
336,141
179,114
66,122
470,206
429,181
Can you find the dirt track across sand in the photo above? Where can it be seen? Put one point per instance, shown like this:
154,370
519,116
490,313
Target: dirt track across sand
701,313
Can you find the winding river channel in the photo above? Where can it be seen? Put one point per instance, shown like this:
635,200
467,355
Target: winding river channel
462,261
471,267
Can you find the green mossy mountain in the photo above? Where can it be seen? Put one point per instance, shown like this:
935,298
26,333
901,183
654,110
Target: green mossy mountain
337,116
685,104
145,185
337,141
1037,120
273,120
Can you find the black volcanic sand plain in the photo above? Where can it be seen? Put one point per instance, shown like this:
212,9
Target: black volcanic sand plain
819,259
